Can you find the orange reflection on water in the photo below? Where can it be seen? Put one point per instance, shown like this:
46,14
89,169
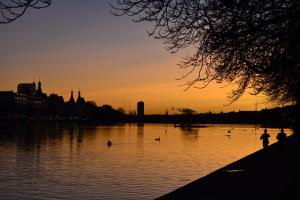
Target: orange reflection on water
72,161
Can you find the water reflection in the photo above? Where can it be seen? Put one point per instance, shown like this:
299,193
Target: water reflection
72,161
190,132
140,133
29,136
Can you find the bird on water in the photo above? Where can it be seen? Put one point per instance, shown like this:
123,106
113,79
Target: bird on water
109,143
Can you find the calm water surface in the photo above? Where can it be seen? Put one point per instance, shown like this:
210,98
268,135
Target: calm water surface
59,161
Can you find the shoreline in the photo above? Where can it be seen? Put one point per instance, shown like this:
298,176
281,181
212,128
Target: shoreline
176,125
270,173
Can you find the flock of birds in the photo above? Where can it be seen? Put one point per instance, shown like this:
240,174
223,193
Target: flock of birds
109,142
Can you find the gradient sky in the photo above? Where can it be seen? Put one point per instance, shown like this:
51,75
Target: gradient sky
78,44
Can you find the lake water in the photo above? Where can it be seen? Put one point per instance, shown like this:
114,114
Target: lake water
59,161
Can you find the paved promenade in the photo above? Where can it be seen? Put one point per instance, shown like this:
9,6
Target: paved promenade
271,173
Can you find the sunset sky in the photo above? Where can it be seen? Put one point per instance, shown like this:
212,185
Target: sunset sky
78,44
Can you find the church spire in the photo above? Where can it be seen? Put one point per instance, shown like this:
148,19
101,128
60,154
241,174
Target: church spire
72,98
80,100
33,83
39,87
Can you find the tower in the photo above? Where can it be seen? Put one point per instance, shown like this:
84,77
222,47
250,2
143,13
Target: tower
39,91
140,108
79,97
72,101
34,85
80,100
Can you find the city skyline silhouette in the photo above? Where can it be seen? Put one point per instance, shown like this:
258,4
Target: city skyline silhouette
110,58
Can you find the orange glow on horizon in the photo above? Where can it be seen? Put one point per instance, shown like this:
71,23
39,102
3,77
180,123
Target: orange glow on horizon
115,65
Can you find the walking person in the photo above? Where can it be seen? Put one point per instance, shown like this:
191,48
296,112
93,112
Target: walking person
265,138
281,137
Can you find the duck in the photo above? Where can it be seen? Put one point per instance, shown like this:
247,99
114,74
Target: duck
109,143
228,136
157,139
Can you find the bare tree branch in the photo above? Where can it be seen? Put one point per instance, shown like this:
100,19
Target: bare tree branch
252,43
10,10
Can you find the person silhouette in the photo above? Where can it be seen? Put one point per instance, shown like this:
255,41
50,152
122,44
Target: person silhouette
281,137
265,138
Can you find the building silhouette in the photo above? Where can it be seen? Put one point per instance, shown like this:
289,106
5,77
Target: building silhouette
28,98
76,109
71,100
7,101
140,108
56,106
80,105
29,102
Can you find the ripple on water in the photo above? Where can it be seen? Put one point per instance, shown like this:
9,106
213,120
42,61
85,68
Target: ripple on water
63,164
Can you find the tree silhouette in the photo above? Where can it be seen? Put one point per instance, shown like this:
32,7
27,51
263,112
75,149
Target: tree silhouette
187,111
252,44
11,10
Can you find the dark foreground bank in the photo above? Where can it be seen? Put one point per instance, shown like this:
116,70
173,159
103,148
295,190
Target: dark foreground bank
271,173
